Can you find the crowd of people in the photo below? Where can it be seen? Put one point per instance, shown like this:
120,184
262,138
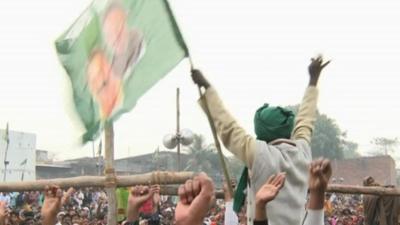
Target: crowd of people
82,205
89,206
279,179
196,203
344,209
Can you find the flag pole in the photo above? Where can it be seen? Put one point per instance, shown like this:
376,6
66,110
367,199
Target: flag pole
214,132
110,185
23,172
178,113
5,153
216,141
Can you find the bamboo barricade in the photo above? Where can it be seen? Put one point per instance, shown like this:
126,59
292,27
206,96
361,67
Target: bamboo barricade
99,181
335,188
110,183
166,179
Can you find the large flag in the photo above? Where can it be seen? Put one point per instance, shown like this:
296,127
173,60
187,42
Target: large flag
114,53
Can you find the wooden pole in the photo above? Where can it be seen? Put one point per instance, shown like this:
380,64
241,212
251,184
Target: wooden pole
156,177
165,178
110,182
178,132
344,189
216,141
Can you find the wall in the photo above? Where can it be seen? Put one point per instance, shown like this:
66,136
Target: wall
353,171
22,146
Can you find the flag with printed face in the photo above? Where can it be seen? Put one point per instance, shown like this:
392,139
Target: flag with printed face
114,52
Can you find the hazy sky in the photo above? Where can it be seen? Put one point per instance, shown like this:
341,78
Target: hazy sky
252,51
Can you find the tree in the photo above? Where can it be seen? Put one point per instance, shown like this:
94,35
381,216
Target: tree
328,140
202,157
350,149
235,167
385,145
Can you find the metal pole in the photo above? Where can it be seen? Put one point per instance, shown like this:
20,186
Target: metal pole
178,133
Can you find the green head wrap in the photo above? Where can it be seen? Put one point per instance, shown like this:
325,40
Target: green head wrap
270,123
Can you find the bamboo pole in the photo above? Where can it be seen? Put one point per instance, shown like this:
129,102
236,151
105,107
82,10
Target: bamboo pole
344,189
165,178
216,141
352,189
99,181
110,178
178,129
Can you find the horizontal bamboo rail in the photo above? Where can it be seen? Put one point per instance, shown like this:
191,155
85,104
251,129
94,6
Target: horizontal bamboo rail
99,181
164,179
376,190
344,189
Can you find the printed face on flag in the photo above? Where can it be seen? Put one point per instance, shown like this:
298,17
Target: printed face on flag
105,74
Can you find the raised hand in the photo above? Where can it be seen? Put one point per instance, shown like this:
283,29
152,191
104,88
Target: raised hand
195,199
199,79
4,213
137,196
320,173
227,194
315,68
270,189
53,201
267,193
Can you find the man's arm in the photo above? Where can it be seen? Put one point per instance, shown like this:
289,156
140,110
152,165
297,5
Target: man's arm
232,135
320,172
230,216
265,194
306,116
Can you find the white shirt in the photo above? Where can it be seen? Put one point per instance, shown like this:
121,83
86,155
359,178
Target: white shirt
230,216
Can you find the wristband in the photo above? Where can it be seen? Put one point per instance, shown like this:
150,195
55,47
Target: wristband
136,222
260,222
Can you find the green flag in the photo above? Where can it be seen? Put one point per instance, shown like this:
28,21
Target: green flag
6,135
23,162
122,202
114,53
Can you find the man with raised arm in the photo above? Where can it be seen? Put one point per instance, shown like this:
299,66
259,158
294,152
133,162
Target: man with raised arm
282,144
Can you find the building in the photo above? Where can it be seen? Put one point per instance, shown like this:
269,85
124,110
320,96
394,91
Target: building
353,171
18,156
46,168
164,161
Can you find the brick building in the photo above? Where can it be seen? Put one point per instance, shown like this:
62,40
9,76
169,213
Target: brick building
353,171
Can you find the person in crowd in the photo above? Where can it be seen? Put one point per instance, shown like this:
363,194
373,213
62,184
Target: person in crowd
150,209
380,210
282,145
138,196
230,217
4,213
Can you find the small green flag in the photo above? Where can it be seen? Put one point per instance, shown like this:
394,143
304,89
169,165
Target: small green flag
7,135
114,53
122,202
23,162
